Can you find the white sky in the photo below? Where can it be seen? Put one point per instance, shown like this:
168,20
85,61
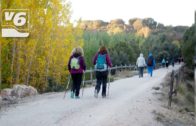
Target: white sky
168,12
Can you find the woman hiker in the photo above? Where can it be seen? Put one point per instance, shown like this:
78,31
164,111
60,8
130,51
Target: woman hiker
101,62
76,67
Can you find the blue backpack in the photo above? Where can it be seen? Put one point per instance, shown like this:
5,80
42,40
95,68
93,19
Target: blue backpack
101,62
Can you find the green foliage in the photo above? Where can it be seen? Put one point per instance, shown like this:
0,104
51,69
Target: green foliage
53,86
122,54
161,55
190,97
92,42
150,23
188,46
123,47
161,46
182,89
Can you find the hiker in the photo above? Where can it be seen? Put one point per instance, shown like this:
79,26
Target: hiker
101,62
173,62
167,63
76,66
141,63
163,62
150,64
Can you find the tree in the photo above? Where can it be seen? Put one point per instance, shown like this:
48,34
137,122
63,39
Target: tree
122,54
92,42
45,53
188,46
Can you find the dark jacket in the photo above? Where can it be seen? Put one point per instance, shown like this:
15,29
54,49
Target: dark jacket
153,61
81,63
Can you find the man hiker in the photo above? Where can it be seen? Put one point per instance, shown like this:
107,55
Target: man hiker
150,64
141,63
167,63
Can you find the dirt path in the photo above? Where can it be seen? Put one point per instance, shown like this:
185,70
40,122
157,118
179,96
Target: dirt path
130,103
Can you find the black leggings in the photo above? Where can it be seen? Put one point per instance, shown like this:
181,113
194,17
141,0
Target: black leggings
141,71
77,80
101,79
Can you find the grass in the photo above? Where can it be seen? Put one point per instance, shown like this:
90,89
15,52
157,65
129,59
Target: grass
4,85
182,89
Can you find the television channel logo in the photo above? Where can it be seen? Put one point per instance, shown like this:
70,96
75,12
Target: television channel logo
15,23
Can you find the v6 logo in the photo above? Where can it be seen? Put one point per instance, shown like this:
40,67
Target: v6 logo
15,23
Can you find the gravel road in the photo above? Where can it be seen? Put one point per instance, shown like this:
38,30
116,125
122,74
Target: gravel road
130,103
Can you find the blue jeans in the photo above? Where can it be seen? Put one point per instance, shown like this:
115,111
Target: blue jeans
150,70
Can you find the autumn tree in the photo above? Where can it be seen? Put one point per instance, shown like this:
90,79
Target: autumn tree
44,54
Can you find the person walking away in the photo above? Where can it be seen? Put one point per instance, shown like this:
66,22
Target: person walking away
172,62
76,67
150,64
167,64
141,63
101,63
163,62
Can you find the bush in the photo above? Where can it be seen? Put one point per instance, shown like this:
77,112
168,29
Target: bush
53,86
188,46
122,54
190,97
181,89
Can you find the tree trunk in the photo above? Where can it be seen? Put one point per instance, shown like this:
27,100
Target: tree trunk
30,64
34,53
0,66
12,64
18,62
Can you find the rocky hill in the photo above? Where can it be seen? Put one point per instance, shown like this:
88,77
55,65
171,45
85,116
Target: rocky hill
141,27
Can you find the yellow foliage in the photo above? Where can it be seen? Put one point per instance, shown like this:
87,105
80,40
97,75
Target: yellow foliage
138,24
177,43
46,51
145,32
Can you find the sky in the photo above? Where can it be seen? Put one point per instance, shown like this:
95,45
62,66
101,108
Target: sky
168,12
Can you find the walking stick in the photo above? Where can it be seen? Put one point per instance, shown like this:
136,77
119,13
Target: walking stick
69,78
109,82
83,84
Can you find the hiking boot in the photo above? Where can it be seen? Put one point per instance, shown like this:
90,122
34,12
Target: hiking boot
103,96
72,94
77,97
96,94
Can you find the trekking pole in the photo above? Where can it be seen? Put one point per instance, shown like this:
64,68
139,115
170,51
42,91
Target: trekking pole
69,78
83,84
109,82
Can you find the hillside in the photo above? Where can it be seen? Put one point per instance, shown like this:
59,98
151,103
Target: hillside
142,27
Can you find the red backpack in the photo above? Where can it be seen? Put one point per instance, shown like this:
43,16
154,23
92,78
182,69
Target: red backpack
150,61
